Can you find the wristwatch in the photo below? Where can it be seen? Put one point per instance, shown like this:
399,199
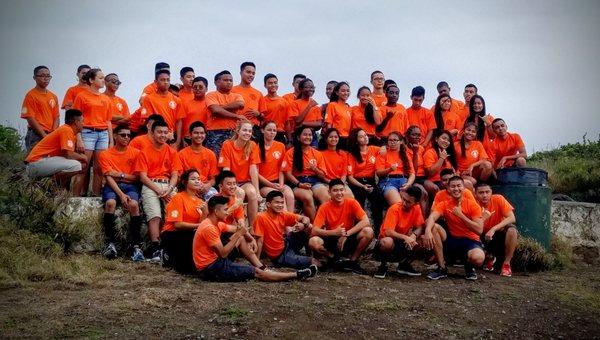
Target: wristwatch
122,176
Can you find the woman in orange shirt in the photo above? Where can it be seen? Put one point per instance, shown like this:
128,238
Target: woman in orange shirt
338,112
361,174
303,170
97,129
183,215
444,118
241,155
415,152
366,115
478,116
305,111
440,156
272,154
336,160
472,160
394,170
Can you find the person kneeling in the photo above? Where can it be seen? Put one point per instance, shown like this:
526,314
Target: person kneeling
500,236
463,217
335,232
269,229
399,236
211,256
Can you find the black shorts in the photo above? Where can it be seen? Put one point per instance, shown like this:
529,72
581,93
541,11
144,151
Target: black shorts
330,243
399,253
496,245
235,252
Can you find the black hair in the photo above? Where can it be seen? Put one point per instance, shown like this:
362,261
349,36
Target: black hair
91,74
473,86
323,141
71,114
269,76
161,66
415,192
410,130
353,147
297,76
261,141
110,74
202,79
195,125
222,175
38,68
481,184
334,82
369,109
402,152
335,181
162,71
388,88
246,63
374,73
442,84
173,87
185,176
217,200
477,117
222,73
387,84
272,194
159,123
455,178
418,91
463,140
437,112
297,159
450,149
301,86
121,127
185,70
497,120
81,67
155,117
446,171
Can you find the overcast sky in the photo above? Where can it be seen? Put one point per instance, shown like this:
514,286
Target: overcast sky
535,62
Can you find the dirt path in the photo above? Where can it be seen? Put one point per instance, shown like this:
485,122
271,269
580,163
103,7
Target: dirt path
144,300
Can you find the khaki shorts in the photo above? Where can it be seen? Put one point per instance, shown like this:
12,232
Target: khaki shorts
152,204
52,165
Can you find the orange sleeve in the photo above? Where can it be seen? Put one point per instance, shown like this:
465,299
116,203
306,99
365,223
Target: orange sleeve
179,110
290,218
329,113
238,214
439,206
380,162
320,160
351,164
505,206
212,235
212,164
174,209
104,161
141,163
176,166
28,108
255,155
212,99
357,210
417,219
321,217
67,141
286,165
390,221
257,226
519,142
429,158
78,103
473,209
482,153
225,156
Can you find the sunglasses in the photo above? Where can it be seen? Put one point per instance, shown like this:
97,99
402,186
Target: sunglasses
124,135
116,82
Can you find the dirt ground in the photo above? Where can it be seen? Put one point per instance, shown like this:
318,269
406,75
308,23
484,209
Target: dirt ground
133,300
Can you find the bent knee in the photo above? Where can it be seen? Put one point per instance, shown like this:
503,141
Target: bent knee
315,242
367,232
111,204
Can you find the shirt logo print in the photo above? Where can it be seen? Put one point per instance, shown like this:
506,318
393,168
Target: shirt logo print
172,105
52,103
277,155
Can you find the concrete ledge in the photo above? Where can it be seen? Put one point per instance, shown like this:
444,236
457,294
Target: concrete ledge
579,224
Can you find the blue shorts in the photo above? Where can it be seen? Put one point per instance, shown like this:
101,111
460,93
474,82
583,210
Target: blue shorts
457,248
94,140
128,189
228,271
392,183
216,138
312,180
290,257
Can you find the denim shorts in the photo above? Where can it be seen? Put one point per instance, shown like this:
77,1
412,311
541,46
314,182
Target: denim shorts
223,269
131,190
390,183
290,257
312,180
94,140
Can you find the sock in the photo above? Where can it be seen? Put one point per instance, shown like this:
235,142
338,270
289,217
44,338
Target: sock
109,227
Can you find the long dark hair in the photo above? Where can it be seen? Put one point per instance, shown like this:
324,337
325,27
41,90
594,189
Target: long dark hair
437,112
477,117
450,149
185,176
334,96
323,142
353,147
463,142
402,151
261,140
298,161
369,109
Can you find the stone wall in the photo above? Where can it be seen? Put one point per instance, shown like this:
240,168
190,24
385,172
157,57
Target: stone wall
579,224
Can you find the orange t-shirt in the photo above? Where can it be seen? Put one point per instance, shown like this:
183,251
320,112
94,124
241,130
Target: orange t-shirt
456,226
150,88
309,156
158,163
474,153
207,236
498,148
203,160
330,214
136,120
430,157
451,121
398,122
420,161
422,118
500,208
462,113
42,107
393,157
290,97
401,220
313,115
380,99
96,109
455,107
443,195
54,144
119,107
237,214
168,106
276,109
367,168
271,166
141,142
339,116
185,95
232,157
182,208
336,163
71,94
252,98
120,161
194,110
359,120
271,227
216,122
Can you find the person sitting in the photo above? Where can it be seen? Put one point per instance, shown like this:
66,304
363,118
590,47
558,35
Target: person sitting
183,214
472,160
122,186
341,228
211,256
55,154
506,149
142,141
281,235
400,234
336,159
394,169
464,222
500,236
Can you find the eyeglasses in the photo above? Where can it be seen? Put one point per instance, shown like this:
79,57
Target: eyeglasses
124,135
44,76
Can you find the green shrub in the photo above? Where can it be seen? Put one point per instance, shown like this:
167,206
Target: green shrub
10,140
530,256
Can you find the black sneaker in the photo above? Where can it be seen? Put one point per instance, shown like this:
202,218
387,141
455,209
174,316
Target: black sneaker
352,266
407,269
303,274
437,274
313,270
470,273
381,271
